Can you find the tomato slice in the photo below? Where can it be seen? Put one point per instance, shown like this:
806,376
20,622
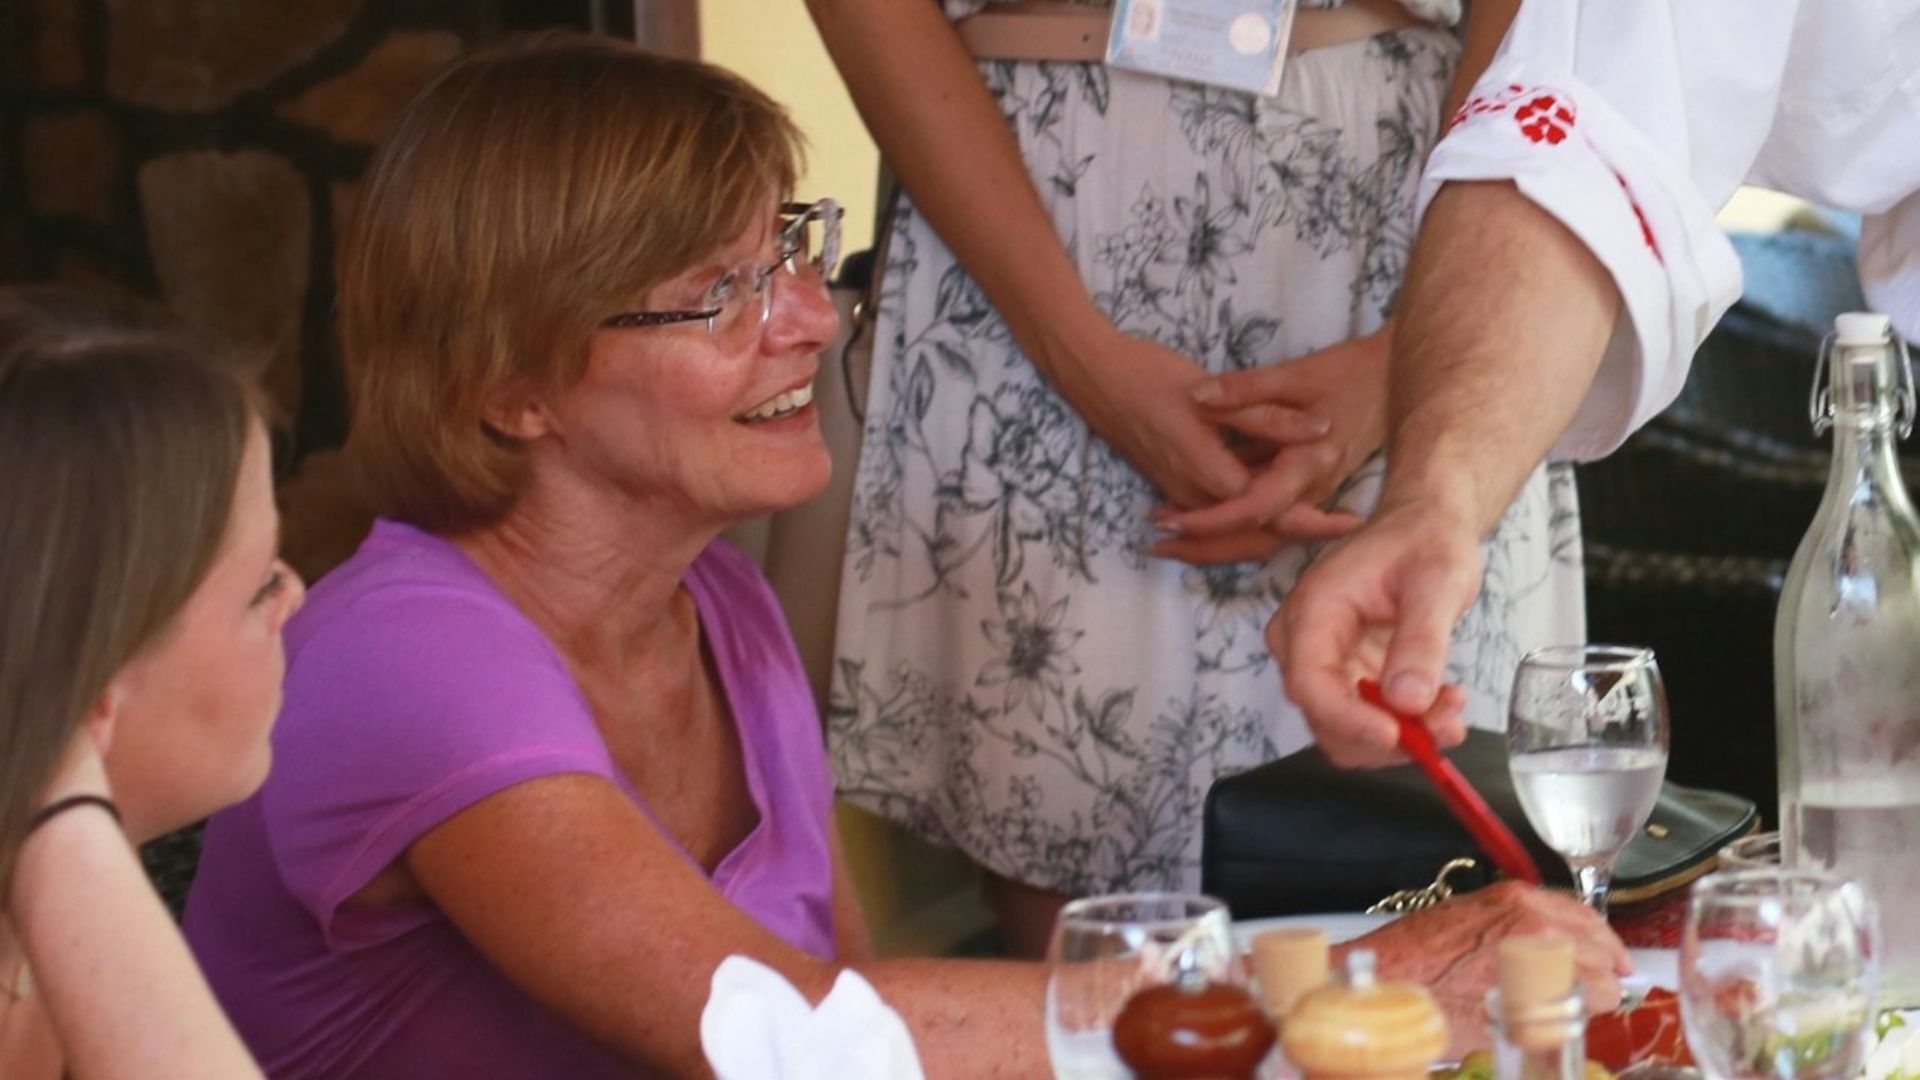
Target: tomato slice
1648,1031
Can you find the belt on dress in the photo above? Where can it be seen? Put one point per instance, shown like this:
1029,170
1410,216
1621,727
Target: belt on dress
1052,30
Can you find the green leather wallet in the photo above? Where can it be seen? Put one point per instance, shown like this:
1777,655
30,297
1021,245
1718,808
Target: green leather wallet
1299,835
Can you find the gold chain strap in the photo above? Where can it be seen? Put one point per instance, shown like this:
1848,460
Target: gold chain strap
1424,897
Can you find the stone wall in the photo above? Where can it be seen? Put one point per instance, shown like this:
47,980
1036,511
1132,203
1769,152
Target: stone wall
206,152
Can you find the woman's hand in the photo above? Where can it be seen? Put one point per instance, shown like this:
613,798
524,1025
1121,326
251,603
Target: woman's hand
1344,387
1137,395
109,965
1449,949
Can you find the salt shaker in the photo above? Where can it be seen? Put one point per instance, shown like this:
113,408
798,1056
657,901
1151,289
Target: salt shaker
1539,1020
1287,965
1193,1029
1366,1029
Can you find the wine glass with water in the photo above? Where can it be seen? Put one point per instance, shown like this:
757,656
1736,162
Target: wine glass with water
1587,745
1105,949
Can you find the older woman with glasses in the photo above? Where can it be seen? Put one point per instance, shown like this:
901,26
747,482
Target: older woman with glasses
548,755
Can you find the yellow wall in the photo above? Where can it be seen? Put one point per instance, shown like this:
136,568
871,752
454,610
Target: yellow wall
773,43
1755,209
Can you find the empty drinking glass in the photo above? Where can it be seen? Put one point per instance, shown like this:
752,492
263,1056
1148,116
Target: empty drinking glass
1587,745
1105,949
1778,975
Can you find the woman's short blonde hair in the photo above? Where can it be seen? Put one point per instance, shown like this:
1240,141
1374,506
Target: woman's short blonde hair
527,193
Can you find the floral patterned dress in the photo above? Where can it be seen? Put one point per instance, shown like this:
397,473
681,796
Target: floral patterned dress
1014,675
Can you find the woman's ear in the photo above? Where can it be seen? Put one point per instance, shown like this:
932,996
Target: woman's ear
102,719
517,413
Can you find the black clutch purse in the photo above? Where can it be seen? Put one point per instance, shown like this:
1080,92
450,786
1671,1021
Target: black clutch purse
1299,836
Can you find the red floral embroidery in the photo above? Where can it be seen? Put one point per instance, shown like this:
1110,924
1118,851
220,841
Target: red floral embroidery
1542,116
1545,119
1479,104
1646,230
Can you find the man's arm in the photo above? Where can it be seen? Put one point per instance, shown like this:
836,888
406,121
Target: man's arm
1489,367
1504,321
1568,266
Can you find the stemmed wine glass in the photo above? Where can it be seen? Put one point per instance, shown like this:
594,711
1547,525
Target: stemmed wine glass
1587,745
1105,949
1778,975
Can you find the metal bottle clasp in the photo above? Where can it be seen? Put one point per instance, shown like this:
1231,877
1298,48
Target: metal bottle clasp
1820,399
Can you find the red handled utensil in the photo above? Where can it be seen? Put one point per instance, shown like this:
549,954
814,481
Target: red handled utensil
1487,829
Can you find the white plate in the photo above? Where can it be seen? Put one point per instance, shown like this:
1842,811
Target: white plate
1340,927
1652,967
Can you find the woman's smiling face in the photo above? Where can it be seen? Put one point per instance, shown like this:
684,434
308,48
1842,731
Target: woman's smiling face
718,422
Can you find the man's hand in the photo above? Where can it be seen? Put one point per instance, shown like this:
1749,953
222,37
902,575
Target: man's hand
1382,605
1449,949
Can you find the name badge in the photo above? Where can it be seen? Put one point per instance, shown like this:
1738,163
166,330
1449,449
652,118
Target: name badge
1237,44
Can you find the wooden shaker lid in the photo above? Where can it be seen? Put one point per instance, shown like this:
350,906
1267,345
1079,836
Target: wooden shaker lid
1534,969
1365,1030
1289,963
1537,999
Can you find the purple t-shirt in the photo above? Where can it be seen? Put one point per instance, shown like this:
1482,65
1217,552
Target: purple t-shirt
414,690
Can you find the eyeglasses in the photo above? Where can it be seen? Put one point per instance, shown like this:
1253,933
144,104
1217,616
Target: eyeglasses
809,246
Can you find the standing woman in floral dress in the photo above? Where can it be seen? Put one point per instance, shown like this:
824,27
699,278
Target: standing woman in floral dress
1066,539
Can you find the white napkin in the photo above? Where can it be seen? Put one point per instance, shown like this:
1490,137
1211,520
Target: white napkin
756,1026
1897,1052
